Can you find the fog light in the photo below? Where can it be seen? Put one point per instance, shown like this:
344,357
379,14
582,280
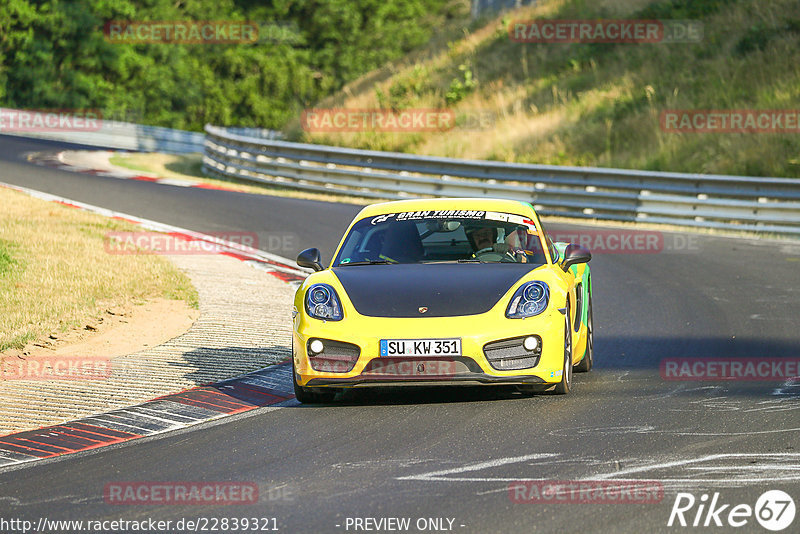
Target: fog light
316,346
530,343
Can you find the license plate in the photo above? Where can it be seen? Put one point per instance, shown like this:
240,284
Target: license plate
421,347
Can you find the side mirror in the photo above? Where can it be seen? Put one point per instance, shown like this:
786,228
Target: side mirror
575,254
311,259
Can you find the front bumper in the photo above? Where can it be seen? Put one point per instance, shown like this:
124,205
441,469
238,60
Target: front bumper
477,379
424,371
471,368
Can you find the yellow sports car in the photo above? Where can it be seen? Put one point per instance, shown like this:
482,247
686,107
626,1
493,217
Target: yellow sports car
453,291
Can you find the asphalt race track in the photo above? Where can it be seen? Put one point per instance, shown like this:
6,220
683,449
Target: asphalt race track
452,453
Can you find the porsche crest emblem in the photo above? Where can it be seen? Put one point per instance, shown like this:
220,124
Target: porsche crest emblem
422,309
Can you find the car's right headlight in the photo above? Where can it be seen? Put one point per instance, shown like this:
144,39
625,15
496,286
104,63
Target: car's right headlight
322,303
530,299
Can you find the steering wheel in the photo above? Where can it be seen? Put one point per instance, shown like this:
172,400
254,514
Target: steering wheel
493,254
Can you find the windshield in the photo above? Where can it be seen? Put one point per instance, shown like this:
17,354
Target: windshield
442,236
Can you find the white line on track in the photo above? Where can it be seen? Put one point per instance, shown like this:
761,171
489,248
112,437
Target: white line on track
772,472
435,475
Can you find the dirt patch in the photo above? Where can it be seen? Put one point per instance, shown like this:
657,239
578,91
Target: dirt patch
119,331
57,273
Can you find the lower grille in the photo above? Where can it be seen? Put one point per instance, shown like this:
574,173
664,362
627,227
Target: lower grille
420,367
510,355
336,357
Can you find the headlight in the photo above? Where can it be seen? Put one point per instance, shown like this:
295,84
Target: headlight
323,303
529,300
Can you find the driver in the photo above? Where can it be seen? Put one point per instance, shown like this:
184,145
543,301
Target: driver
483,239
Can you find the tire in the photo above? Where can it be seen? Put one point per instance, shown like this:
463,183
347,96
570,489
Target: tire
586,364
306,395
564,387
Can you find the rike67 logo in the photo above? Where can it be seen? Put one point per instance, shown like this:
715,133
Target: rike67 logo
774,510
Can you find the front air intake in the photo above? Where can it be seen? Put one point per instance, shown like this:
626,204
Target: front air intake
335,356
511,354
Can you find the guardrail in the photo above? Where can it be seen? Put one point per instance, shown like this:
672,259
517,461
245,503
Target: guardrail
742,203
101,133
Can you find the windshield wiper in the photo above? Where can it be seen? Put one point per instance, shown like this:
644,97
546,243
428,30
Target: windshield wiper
368,262
471,260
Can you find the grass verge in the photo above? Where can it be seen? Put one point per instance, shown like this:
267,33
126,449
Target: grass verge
55,273
599,104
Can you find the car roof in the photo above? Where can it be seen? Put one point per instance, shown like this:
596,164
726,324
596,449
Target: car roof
483,204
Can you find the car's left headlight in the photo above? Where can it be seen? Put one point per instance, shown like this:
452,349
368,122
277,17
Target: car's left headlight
322,302
530,299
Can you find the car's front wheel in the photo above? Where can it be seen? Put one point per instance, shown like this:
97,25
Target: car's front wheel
563,387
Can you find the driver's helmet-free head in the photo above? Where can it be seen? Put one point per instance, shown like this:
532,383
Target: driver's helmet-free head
470,231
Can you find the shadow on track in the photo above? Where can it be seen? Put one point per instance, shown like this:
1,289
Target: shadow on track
614,357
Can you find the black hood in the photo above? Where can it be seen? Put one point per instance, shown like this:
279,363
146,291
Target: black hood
446,289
